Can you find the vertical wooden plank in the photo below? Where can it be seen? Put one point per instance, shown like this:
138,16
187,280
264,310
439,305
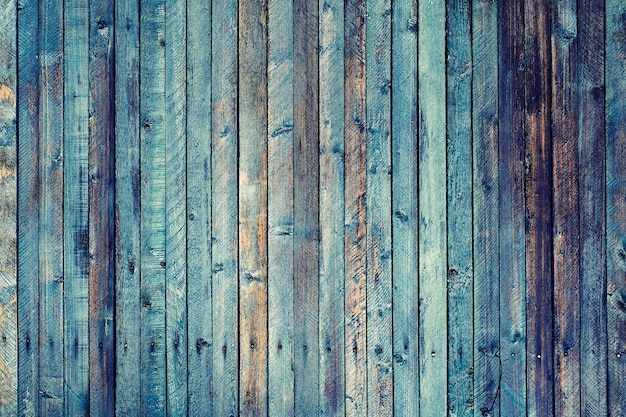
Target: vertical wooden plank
101,210
432,206
331,208
175,206
28,208
487,360
51,207
76,206
512,211
306,208
8,214
153,263
592,214
127,209
616,203
566,314
280,207
354,209
538,193
199,318
459,168
225,236
404,184
378,236
253,207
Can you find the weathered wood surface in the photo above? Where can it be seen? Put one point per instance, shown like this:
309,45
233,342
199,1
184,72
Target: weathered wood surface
338,208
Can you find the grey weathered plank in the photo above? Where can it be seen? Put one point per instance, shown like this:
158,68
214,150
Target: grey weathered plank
432,206
378,218
76,206
616,204
224,200
175,206
565,209
51,207
486,350
306,208
198,169
355,335
127,209
459,190
253,208
331,208
512,210
101,210
280,207
153,218
404,146
28,209
592,214
8,212
538,195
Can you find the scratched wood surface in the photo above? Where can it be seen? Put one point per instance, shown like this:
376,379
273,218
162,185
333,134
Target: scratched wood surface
300,208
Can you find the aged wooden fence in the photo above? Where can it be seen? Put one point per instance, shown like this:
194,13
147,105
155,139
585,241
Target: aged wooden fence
303,207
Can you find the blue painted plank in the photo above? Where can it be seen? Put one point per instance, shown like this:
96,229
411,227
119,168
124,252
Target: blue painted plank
460,228
486,350
615,205
224,200
51,208
127,209
199,315
592,200
331,208
8,213
153,219
28,209
512,210
175,206
252,99
432,206
378,235
280,207
76,206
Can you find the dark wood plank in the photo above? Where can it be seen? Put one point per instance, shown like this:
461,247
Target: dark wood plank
28,209
51,208
565,202
354,210
432,246
153,166
175,206
280,207
76,206
306,208
378,208
592,215
8,212
512,210
127,209
224,200
404,207
253,208
615,19
538,194
331,208
199,214
459,185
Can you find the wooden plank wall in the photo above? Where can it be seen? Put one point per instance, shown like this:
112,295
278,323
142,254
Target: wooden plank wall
313,207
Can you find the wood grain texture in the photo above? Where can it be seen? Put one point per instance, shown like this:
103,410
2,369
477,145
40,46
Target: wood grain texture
253,208
8,212
459,199
432,255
